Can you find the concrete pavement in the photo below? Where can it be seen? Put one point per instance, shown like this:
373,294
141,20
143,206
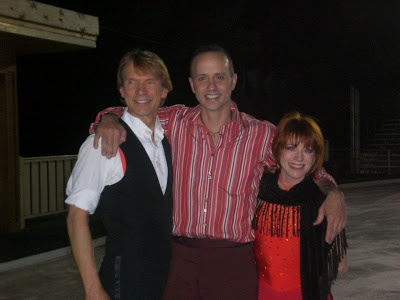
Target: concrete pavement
373,233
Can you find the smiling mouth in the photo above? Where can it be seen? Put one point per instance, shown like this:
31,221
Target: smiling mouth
296,166
211,96
142,101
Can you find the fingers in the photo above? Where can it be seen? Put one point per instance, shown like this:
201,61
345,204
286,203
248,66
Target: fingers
339,219
330,231
334,227
104,145
96,141
343,221
110,144
320,217
331,226
123,137
112,133
113,149
342,213
334,209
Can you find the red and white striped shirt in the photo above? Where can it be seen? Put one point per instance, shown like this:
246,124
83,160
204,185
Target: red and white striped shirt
215,186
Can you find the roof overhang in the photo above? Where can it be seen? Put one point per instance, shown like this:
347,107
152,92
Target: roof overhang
31,27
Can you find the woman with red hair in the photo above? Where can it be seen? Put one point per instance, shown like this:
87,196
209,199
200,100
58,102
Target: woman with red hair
293,259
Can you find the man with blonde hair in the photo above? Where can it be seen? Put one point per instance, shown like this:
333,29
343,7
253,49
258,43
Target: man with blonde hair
132,191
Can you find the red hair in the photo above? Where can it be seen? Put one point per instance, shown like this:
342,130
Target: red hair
295,128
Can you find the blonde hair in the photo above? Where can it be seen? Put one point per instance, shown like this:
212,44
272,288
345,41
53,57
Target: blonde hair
147,62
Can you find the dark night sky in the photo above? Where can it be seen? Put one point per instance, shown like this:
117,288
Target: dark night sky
286,56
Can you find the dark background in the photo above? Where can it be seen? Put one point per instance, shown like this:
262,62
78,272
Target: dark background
288,55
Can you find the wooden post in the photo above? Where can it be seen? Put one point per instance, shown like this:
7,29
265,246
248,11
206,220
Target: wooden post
9,151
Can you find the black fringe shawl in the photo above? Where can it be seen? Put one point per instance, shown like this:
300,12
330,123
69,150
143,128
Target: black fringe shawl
318,260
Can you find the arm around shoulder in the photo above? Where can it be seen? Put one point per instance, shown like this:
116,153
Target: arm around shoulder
117,111
111,131
333,208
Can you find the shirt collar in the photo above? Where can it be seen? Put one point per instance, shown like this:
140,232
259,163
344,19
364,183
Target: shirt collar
195,114
141,129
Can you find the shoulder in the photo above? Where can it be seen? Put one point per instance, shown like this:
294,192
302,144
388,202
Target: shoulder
313,189
262,132
176,111
178,108
268,181
179,112
249,121
87,152
87,146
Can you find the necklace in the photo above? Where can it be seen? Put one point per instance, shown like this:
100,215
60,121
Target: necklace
285,187
214,134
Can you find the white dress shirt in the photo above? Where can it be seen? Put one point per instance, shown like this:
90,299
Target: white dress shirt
92,171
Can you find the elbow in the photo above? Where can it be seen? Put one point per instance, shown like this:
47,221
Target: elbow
76,217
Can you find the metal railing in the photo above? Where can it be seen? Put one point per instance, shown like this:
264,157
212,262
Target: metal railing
367,162
42,185
381,162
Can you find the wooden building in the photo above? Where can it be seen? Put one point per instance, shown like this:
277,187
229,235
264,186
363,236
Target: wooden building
31,187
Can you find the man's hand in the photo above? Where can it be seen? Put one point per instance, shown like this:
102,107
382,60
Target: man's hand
334,208
112,134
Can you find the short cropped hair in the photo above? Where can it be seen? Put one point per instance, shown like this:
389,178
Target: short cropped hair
212,48
147,62
295,128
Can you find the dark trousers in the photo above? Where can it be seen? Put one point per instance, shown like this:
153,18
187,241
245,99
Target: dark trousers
211,269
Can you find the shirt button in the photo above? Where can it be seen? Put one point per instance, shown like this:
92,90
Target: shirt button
204,224
205,210
209,177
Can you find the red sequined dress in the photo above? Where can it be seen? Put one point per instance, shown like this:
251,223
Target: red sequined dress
293,260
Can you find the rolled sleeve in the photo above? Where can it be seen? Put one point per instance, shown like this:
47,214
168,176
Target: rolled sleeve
84,199
91,173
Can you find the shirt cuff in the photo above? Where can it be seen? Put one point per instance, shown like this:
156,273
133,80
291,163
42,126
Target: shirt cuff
85,199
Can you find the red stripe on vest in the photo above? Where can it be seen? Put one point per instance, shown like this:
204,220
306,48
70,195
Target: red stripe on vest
123,160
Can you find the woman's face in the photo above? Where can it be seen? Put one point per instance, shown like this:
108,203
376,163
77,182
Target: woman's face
295,163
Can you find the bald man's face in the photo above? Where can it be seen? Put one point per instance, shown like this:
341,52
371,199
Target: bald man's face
211,81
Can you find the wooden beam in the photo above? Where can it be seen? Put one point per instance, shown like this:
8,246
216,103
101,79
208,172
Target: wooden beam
42,21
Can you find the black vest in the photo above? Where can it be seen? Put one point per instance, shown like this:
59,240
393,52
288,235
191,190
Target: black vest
138,220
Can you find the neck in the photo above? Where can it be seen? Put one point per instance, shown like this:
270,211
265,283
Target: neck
285,183
151,125
213,120
150,121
